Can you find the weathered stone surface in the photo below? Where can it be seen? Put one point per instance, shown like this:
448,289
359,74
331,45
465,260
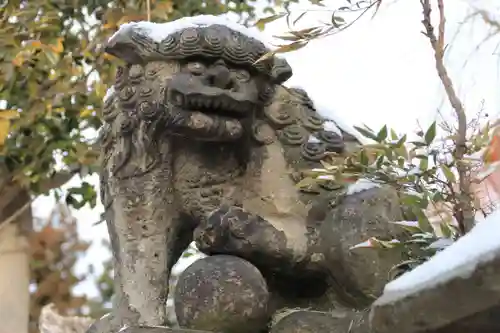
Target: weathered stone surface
300,321
235,231
193,124
434,308
483,322
222,294
158,329
361,273
325,261
458,290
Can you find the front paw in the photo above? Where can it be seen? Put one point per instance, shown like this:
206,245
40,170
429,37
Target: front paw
233,230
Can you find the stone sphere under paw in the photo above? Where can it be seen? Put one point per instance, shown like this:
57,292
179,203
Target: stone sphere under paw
222,293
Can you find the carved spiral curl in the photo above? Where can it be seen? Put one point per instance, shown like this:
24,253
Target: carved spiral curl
211,41
147,111
332,140
126,123
263,133
121,76
189,41
145,90
293,135
151,71
169,46
136,74
109,109
313,121
279,114
313,151
127,96
236,49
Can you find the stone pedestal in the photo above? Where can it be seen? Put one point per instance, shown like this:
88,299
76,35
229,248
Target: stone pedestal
320,322
158,329
458,290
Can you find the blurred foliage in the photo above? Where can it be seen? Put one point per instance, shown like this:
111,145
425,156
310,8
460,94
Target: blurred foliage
54,75
54,248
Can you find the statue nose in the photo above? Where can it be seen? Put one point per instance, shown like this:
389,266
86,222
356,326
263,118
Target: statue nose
220,77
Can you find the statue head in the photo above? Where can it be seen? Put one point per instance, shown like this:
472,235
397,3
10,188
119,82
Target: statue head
194,76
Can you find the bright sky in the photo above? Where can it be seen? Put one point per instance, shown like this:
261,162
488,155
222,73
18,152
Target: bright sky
378,72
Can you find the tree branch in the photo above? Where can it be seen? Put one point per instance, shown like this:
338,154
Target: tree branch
14,216
464,211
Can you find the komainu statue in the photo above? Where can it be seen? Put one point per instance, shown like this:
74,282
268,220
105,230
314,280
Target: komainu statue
202,141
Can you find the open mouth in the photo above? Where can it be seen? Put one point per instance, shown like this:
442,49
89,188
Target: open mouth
221,105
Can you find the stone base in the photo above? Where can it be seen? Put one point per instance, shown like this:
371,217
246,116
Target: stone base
482,322
464,297
158,329
301,321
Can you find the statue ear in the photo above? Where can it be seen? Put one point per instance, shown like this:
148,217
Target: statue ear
123,45
280,71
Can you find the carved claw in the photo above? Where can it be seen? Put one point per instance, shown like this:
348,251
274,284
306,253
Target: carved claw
234,231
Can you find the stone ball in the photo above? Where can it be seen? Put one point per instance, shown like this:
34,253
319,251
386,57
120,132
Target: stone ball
359,216
222,293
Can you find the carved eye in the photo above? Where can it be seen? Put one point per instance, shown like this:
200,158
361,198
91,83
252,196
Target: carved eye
242,75
197,68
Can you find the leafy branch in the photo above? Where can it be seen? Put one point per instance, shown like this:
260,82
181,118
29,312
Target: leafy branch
300,38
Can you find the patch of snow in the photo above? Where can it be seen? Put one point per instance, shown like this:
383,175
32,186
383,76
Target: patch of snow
330,125
415,171
361,185
441,243
372,242
109,92
365,244
123,328
334,122
159,31
329,113
313,139
412,224
460,259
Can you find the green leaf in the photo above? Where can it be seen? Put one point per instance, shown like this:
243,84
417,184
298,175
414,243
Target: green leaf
363,158
366,133
337,21
430,134
382,134
450,176
445,230
423,221
261,23
394,135
424,163
401,141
